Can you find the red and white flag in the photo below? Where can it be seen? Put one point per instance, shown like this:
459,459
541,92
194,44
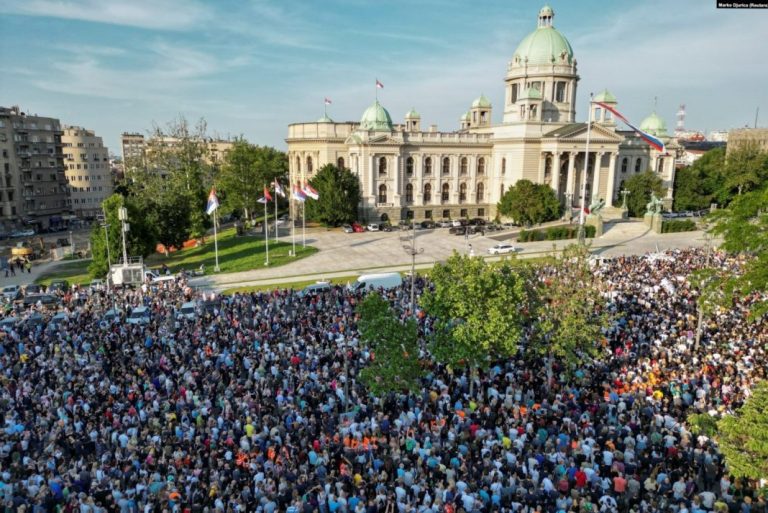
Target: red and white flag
267,195
328,102
279,189
310,191
379,85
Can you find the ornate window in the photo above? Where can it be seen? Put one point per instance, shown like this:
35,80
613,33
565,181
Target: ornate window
462,192
444,194
638,164
480,192
624,164
560,92
446,165
513,93
480,166
309,165
503,166
463,165
382,193
409,193
409,166
383,165
427,193
298,164
340,162
428,166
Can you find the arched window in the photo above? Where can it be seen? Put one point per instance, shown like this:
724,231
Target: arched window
463,165
513,93
480,193
409,166
309,165
340,163
444,194
462,193
383,165
428,165
427,193
638,163
624,164
480,166
446,165
409,193
501,191
298,164
382,193
503,166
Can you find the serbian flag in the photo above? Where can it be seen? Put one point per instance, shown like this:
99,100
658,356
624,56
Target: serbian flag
327,101
279,190
267,195
297,194
309,191
213,202
379,85
655,142
262,200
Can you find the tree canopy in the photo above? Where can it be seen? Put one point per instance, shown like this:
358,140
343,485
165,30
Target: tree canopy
697,186
743,436
339,192
530,203
478,310
640,187
395,366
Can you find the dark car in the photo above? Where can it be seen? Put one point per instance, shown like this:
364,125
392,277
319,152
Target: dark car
209,306
385,227
34,320
458,230
33,288
58,286
47,300
428,224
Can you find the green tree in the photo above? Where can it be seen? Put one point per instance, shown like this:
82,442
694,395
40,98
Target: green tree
246,170
395,366
746,169
569,318
140,239
743,436
339,192
698,185
478,310
640,187
530,203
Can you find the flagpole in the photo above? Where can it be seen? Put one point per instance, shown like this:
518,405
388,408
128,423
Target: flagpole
276,213
304,223
582,215
215,241
376,89
266,230
292,208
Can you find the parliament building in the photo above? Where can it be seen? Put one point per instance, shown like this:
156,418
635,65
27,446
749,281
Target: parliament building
407,171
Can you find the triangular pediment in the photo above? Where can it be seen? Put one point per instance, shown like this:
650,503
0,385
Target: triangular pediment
384,138
577,132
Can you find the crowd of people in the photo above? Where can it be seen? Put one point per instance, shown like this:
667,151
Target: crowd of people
242,409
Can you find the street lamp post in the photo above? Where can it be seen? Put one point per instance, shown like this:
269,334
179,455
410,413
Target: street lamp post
568,211
106,236
412,250
122,215
700,305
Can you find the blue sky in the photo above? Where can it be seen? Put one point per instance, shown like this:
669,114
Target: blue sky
251,67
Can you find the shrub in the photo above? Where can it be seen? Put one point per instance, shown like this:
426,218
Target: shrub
678,225
555,233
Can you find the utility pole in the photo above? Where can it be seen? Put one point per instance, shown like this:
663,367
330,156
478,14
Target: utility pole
412,250
122,214
700,302
582,214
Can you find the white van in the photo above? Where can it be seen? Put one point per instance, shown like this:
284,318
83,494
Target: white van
139,315
188,311
376,281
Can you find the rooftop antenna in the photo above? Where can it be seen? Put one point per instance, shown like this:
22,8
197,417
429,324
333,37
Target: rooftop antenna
757,111
681,119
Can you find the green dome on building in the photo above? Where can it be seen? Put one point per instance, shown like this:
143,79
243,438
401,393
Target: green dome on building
605,96
376,118
482,102
325,119
412,114
654,125
465,117
530,94
545,45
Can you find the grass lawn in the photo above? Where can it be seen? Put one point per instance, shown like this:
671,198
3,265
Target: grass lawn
73,272
235,254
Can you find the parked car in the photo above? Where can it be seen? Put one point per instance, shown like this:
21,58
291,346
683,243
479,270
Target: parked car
57,320
376,281
373,227
58,286
211,306
33,288
315,288
34,320
97,284
445,224
385,227
347,228
11,293
47,300
8,323
503,248
23,233
357,228
139,315
458,230
428,224
188,311
113,315
477,221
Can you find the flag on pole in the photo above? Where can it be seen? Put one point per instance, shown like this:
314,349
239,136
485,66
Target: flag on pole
379,85
655,142
262,200
309,191
279,189
267,195
213,202
297,194
327,101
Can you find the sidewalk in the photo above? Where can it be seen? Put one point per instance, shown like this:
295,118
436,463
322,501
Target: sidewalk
39,267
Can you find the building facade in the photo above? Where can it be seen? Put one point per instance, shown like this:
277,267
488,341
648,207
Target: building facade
135,148
408,172
33,187
88,171
757,137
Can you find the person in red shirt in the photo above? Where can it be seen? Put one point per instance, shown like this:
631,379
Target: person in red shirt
619,484
581,478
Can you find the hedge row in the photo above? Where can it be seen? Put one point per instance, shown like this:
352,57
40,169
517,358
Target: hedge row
555,233
678,225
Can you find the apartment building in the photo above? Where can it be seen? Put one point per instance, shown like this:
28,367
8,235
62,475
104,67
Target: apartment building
88,171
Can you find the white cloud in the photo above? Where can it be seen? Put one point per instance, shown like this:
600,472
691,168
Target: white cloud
149,14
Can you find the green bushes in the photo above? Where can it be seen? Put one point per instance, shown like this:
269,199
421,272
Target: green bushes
678,225
555,233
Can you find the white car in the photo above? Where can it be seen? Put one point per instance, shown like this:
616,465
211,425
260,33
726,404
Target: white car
503,248
372,227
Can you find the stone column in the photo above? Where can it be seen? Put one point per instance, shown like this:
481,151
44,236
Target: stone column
372,176
596,176
398,182
418,170
556,174
571,178
542,165
611,181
